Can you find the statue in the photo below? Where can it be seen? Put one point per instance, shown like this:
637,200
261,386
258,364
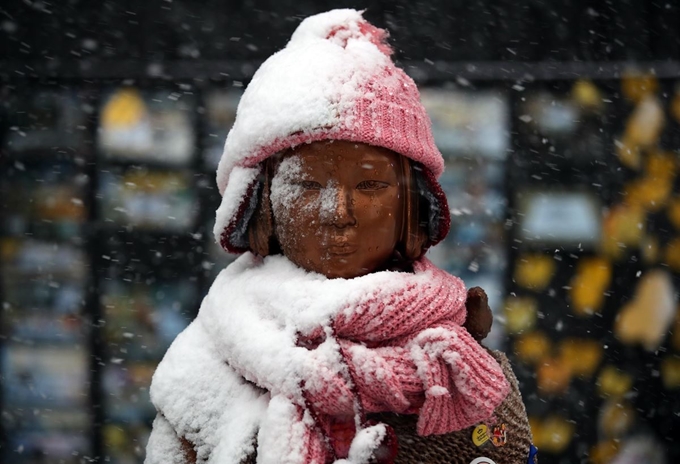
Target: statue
333,339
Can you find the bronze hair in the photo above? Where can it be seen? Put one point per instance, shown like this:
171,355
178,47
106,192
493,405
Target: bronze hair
261,225
413,239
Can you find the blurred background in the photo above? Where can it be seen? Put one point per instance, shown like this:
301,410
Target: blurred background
560,125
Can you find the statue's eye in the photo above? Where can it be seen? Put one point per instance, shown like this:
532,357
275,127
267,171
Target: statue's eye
372,185
310,185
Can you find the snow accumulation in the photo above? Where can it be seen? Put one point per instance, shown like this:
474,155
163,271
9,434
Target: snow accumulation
247,330
239,370
310,85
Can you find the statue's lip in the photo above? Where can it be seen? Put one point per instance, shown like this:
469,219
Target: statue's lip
341,248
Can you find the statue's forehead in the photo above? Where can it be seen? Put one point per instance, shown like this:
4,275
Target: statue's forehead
345,154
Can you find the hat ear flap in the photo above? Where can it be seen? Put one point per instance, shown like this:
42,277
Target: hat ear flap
414,235
261,225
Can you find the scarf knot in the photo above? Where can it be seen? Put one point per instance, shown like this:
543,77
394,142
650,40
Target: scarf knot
406,351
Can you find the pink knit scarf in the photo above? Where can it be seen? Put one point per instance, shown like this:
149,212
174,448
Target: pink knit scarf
310,357
405,351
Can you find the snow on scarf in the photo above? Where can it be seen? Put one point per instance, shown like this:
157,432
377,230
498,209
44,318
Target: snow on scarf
277,351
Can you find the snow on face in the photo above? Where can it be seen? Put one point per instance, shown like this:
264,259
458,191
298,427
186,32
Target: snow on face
288,186
338,207
284,189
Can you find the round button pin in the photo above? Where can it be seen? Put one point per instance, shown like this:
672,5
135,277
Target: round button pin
482,460
480,435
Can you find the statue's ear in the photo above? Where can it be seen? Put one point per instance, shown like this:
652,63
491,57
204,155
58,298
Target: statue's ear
414,235
261,225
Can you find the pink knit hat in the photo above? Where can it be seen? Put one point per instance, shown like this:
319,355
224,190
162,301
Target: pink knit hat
334,80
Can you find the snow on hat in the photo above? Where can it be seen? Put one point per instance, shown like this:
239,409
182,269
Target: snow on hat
334,80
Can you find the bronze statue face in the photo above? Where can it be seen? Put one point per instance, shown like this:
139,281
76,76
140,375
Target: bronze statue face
338,207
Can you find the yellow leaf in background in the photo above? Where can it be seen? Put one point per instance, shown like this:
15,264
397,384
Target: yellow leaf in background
115,437
534,271
141,374
622,227
57,203
532,347
8,248
675,104
520,314
590,282
636,86
536,426
586,94
583,355
553,376
614,382
673,212
154,182
628,152
124,108
648,192
672,254
616,418
557,432
644,125
661,164
647,317
604,452
649,246
675,339
670,372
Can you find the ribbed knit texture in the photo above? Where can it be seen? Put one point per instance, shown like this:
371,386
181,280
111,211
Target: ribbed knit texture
406,351
300,360
458,447
343,86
